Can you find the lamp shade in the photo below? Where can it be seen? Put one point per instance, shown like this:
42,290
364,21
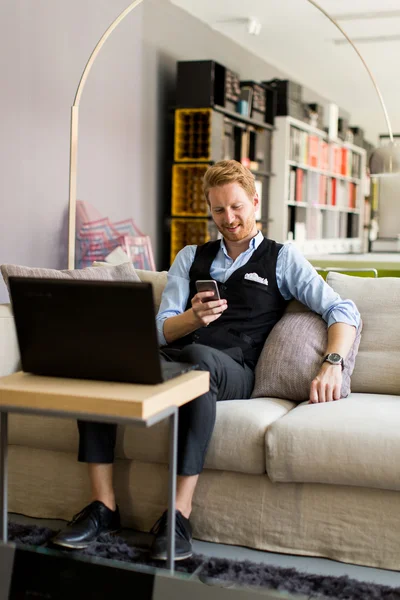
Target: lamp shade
385,160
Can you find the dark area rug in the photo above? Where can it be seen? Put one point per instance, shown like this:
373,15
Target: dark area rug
219,571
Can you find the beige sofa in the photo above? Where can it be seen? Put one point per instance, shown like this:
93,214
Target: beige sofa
320,480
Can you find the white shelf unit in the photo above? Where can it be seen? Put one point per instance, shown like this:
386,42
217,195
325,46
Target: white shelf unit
316,193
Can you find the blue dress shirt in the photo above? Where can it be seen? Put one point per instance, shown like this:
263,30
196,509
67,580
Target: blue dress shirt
295,276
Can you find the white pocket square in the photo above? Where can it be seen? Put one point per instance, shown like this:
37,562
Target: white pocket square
257,278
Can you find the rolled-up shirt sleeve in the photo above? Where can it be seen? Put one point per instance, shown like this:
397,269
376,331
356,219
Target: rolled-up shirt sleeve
176,292
297,278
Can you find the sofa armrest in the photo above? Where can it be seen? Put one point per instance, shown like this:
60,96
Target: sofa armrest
9,351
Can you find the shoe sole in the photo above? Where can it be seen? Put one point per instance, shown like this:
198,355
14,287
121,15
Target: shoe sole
165,558
81,546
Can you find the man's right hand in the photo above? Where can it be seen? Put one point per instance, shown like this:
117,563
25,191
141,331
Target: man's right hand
201,314
207,311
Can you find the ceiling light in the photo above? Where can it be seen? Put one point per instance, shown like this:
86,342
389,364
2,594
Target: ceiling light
253,26
382,14
373,39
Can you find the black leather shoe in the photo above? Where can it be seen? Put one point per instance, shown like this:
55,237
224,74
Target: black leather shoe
183,537
87,525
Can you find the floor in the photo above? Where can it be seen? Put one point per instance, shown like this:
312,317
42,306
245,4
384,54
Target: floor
317,566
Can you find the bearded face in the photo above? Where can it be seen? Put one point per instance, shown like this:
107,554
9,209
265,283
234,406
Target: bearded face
233,212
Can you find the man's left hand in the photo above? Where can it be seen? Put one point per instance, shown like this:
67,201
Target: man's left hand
327,385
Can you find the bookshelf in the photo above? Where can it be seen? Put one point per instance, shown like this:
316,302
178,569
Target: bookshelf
208,129
317,193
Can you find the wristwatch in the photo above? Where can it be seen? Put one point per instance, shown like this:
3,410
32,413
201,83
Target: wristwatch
334,359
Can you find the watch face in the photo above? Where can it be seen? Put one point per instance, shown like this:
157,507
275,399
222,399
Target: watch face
335,357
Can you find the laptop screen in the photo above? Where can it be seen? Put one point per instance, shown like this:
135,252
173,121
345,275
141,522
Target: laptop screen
102,330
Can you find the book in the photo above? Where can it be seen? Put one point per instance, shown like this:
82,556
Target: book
352,192
244,148
299,185
314,224
333,192
292,185
313,150
324,164
323,187
313,188
343,161
337,159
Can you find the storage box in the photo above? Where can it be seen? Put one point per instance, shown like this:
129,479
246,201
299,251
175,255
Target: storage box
206,83
200,83
288,98
358,136
343,126
287,89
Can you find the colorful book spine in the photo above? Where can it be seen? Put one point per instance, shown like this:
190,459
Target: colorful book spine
313,150
299,185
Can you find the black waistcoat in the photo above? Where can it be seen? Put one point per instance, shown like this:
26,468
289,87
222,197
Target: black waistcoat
253,307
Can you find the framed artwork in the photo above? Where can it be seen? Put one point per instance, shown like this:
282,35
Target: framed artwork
140,252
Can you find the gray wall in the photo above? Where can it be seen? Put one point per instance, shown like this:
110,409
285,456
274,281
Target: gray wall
44,47
125,142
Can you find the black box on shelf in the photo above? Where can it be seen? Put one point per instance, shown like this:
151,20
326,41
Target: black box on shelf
291,108
286,89
358,134
271,103
288,98
200,83
206,83
343,126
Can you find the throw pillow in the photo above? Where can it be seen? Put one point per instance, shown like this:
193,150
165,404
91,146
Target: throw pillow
292,356
158,279
123,272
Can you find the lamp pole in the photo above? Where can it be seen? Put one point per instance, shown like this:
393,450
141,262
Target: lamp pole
389,126
385,160
73,155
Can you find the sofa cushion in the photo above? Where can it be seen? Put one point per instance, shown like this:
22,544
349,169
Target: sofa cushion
237,444
123,272
354,441
378,300
292,357
157,278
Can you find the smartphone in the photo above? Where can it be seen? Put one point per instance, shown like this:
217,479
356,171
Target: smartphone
208,285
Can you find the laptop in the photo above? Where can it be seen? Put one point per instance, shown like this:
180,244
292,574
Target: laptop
103,330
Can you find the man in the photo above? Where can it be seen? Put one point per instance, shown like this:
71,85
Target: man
256,278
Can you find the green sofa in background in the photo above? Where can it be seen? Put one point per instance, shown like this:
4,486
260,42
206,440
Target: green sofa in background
386,264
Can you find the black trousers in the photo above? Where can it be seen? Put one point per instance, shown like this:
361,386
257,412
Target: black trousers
229,380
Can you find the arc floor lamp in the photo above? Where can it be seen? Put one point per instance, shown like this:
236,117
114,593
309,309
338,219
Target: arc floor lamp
73,153
383,161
